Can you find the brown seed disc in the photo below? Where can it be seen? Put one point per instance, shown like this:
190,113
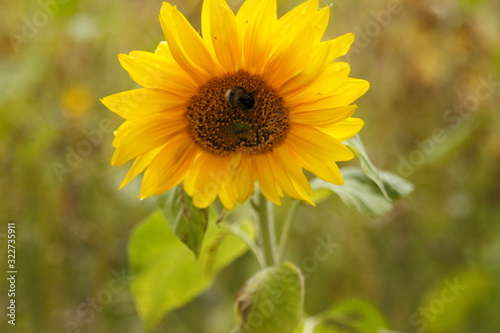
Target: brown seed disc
221,126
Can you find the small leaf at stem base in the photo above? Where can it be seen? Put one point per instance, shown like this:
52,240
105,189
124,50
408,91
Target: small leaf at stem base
271,301
188,222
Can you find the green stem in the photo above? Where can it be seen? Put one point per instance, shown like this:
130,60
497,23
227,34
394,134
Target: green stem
266,231
285,231
235,230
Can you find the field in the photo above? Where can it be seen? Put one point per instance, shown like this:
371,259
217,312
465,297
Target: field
431,116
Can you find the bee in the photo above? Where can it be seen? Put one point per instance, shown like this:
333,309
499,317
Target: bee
238,97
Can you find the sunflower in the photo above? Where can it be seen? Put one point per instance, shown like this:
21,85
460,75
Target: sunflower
253,99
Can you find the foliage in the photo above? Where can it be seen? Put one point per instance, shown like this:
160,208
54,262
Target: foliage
271,301
166,277
165,273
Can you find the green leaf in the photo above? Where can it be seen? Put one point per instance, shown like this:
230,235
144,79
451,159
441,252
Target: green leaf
350,316
188,221
165,273
356,146
362,194
271,301
396,186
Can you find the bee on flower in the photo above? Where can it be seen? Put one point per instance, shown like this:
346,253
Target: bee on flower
252,99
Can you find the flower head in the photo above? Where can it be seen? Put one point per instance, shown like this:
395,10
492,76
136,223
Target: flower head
255,99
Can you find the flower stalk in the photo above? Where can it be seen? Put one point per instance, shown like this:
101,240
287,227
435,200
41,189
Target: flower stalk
285,231
267,234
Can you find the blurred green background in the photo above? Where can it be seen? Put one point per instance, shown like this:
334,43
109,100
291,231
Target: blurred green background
431,116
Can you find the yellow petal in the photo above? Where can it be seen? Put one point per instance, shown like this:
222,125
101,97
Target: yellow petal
324,54
347,93
286,176
242,184
154,71
232,190
228,196
190,179
217,175
139,165
299,14
335,74
292,54
267,183
169,166
303,114
338,46
186,45
123,130
245,179
258,24
283,181
307,16
164,51
156,131
293,170
316,143
326,170
208,174
139,103
221,35
343,130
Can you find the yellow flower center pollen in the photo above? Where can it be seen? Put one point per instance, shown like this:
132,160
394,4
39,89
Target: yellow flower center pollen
237,113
